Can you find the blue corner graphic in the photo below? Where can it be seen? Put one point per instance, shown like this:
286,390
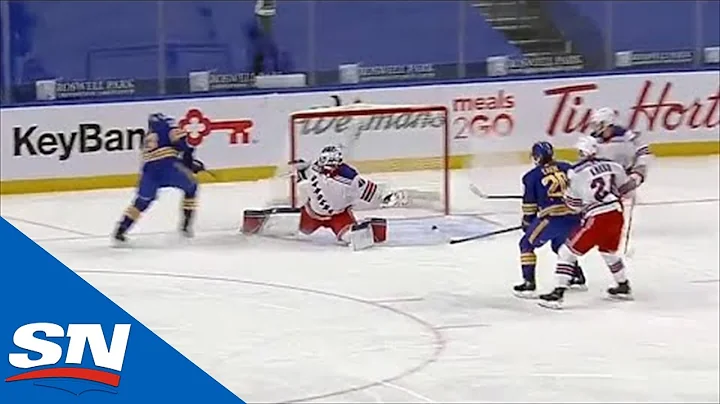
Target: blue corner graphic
62,341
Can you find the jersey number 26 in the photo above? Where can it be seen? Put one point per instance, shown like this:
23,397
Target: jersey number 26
556,183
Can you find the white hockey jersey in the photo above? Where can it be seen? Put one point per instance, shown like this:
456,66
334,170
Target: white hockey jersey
626,148
596,186
331,194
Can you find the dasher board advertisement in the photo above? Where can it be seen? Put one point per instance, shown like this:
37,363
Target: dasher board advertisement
247,132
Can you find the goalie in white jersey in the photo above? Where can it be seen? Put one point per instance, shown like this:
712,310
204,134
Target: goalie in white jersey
596,188
328,189
620,145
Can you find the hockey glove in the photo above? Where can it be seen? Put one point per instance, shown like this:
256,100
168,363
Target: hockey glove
524,225
196,166
300,166
395,199
637,177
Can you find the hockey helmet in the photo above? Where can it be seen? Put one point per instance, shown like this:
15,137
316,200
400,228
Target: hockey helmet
542,152
159,122
601,119
587,146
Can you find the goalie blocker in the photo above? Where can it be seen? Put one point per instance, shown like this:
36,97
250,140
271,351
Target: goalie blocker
287,222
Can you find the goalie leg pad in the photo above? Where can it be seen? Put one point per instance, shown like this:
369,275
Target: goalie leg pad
360,236
379,229
253,221
367,233
276,221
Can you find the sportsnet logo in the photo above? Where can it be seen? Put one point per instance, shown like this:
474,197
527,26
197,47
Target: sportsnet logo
42,355
48,338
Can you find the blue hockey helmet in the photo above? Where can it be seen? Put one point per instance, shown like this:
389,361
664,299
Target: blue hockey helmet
542,152
159,122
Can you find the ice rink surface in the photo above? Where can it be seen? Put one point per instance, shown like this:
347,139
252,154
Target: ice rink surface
288,321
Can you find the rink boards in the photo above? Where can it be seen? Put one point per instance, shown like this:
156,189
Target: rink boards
76,147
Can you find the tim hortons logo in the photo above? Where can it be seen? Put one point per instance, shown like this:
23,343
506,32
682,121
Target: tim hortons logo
198,126
41,356
653,109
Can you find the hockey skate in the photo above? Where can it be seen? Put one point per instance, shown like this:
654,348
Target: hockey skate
578,282
620,292
186,229
552,300
119,239
187,232
525,290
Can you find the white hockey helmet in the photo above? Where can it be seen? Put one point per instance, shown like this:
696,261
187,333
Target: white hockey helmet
601,119
587,146
330,157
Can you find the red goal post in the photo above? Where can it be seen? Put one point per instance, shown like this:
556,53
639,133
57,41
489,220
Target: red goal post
416,137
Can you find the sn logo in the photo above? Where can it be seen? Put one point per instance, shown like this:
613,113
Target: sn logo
50,353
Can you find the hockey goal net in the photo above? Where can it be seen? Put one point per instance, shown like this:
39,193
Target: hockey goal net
400,147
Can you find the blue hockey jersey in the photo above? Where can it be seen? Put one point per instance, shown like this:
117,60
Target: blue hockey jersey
165,142
544,187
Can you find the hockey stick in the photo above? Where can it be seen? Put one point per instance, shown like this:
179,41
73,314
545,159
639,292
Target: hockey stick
484,235
629,227
475,190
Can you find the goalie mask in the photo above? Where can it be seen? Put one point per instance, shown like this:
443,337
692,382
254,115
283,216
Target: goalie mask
330,158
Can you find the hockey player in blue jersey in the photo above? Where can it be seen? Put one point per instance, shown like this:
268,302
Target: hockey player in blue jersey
167,163
546,218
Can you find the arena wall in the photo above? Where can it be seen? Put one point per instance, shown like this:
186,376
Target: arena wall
77,147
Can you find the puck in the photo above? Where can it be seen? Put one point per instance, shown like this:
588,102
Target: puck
434,227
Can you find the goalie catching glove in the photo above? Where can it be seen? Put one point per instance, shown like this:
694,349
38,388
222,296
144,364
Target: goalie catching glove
300,168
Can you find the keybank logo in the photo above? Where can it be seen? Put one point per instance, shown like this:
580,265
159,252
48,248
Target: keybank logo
94,137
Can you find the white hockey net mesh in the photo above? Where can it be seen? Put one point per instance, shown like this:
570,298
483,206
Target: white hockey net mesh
398,146
495,169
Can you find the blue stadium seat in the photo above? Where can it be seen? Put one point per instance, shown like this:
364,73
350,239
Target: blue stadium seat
113,39
710,10
648,25
116,39
653,25
63,34
396,32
